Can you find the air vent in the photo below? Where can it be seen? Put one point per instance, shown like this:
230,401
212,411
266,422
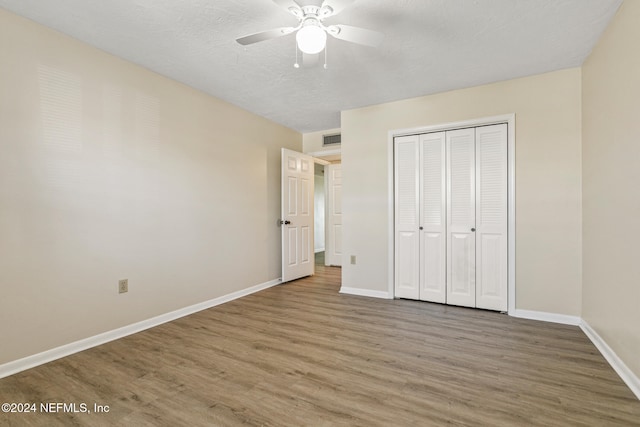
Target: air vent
334,139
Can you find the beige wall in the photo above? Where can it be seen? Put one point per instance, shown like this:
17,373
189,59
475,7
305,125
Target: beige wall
109,171
611,206
548,182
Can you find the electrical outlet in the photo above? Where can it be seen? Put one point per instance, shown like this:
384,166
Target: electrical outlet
353,259
123,286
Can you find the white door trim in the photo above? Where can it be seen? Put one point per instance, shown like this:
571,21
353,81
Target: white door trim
510,120
323,153
319,161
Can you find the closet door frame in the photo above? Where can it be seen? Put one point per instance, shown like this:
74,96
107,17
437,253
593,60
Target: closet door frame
509,119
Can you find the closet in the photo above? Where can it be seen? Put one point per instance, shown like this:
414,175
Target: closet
451,217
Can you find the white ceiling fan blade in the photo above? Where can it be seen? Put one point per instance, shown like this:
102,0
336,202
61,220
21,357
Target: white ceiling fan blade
291,6
265,35
333,7
356,35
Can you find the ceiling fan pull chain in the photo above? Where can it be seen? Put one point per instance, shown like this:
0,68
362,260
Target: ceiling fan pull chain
296,65
326,46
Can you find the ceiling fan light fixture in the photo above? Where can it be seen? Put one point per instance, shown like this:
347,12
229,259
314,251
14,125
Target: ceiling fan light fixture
311,39
311,33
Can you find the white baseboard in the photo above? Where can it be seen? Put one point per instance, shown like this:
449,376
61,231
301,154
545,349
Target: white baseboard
546,317
365,293
318,250
632,381
28,362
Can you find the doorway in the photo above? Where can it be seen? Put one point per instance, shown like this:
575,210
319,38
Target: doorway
319,208
328,214
306,200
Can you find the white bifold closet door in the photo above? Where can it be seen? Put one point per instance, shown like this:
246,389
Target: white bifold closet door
433,230
451,217
461,212
491,217
407,240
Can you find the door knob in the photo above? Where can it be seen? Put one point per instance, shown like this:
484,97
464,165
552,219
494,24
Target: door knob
285,222
473,229
421,228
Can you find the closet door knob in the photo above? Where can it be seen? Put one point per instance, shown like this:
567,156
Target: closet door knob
473,229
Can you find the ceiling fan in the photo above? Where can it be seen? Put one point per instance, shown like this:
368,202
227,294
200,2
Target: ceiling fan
311,33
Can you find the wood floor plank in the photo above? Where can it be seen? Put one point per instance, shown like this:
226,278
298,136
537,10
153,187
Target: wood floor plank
303,354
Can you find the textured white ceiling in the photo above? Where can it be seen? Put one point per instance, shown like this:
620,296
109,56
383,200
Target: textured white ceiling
430,46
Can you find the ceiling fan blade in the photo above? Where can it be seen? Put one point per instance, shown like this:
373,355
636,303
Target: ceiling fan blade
291,6
309,60
265,35
333,7
356,35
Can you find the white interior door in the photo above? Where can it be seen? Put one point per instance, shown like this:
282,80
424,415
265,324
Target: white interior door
407,240
461,211
491,217
433,237
297,215
333,240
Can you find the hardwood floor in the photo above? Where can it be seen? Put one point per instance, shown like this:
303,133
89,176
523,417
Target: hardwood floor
303,354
